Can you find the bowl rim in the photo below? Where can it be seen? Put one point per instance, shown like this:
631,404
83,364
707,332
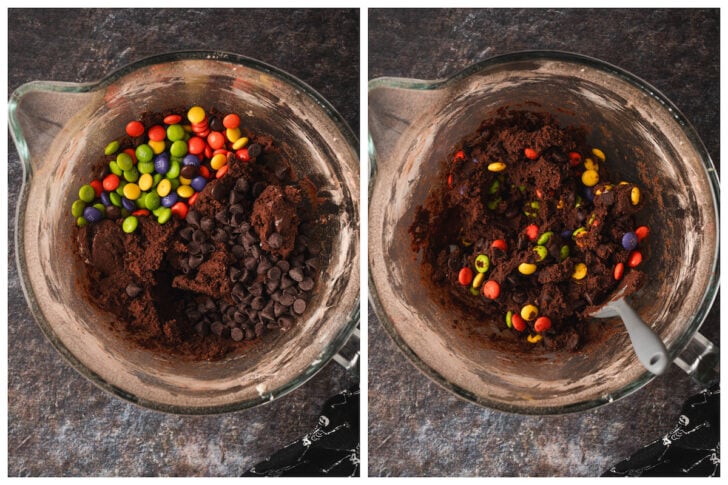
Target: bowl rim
590,62
331,349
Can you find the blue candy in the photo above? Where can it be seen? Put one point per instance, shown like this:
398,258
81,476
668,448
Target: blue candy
128,204
92,214
198,183
190,159
629,241
566,234
161,163
170,199
589,194
105,198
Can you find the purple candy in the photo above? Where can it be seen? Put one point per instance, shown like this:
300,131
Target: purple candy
589,194
191,159
566,234
170,199
629,241
92,214
105,199
161,163
198,183
128,204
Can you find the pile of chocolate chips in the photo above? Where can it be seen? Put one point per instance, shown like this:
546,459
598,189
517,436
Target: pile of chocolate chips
267,290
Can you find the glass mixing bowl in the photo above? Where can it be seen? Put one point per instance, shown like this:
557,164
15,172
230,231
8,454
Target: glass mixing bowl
59,128
414,123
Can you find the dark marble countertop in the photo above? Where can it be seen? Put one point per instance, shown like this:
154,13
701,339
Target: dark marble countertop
416,427
59,424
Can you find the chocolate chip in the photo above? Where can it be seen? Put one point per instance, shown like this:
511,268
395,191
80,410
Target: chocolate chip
275,240
133,290
237,209
286,300
193,218
284,265
254,150
272,285
285,322
286,282
237,334
249,334
202,329
222,217
199,236
186,233
219,235
281,171
217,328
219,191
279,309
241,185
296,274
259,329
237,219
312,263
258,303
306,285
263,266
258,188
113,212
195,260
299,306
274,273
248,240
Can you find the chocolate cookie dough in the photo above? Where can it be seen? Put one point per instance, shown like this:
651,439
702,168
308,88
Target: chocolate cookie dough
524,227
237,255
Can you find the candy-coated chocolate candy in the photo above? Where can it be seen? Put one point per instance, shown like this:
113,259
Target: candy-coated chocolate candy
478,280
110,182
541,252
92,214
580,271
190,160
132,191
465,276
178,149
599,154
482,263
634,195
231,121
77,208
105,199
198,183
179,210
86,193
574,159
542,324
527,268
124,161
111,148
500,244
544,238
491,289
534,338
218,161
98,188
590,178
564,252
172,119
240,143
170,199
134,128
629,241
130,224
530,153
529,312
641,233
496,166
618,271
532,232
128,204
196,145
196,114
509,319
518,322
164,214
634,259
185,191
144,153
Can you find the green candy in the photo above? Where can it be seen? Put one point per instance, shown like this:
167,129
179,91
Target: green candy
152,200
130,224
174,168
145,167
178,149
120,189
115,199
544,238
131,175
175,183
81,221
482,263
509,319
86,193
144,153
101,208
164,215
564,252
493,203
541,252
157,178
175,132
77,208
111,148
124,161
494,187
115,169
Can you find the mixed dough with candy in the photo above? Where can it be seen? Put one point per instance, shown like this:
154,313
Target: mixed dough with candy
197,234
526,227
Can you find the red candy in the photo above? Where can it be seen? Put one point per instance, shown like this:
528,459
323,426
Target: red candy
180,209
530,153
98,188
132,154
135,128
140,212
221,173
157,133
542,324
216,139
242,155
204,171
449,181
491,289
635,258
172,119
500,244
193,199
110,182
465,277
574,158
641,233
518,322
532,231
196,145
459,155
619,271
231,121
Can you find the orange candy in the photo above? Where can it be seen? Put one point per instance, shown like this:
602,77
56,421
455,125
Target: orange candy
459,155
530,153
491,289
196,145
172,119
180,209
134,128
231,121
532,231
619,271
193,199
243,155
221,173
132,154
542,324
110,182
635,258
500,244
216,140
465,277
140,212
518,322
157,133
641,233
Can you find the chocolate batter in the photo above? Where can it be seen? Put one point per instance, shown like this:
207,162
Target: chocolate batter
472,206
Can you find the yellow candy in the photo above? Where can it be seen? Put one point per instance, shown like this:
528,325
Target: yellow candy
218,161
599,154
534,338
132,191
579,271
529,312
157,146
146,181
527,268
590,164
590,178
496,166
184,181
623,183
232,134
164,188
478,280
185,191
240,143
560,204
634,196
196,114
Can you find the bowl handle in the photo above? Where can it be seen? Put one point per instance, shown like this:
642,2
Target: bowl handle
38,111
700,360
394,105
